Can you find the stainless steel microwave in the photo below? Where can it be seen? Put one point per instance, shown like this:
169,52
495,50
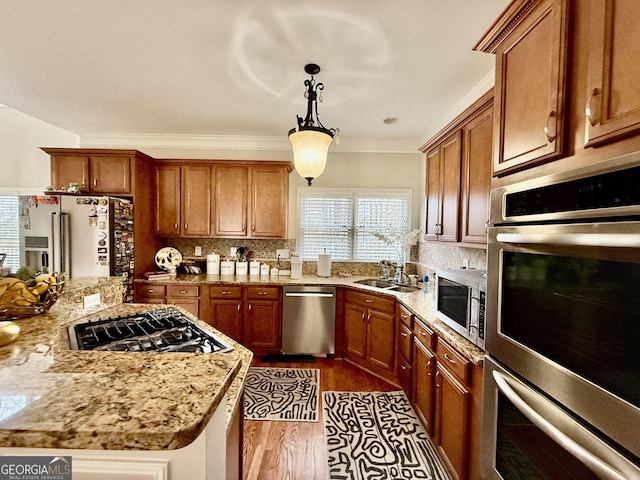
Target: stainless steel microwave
460,302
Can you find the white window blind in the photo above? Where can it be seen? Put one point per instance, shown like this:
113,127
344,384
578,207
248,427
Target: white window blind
9,239
343,222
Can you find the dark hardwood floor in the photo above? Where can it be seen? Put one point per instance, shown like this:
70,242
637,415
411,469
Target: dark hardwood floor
296,450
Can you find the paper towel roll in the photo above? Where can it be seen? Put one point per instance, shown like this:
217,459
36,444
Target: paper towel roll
324,265
213,264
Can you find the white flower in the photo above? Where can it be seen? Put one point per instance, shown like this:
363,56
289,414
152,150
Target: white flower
399,239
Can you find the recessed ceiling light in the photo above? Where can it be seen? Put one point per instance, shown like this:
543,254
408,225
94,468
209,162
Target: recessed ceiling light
390,120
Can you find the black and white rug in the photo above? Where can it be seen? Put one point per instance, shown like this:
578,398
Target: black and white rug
282,394
377,436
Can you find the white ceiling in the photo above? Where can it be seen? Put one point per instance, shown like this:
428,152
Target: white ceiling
235,68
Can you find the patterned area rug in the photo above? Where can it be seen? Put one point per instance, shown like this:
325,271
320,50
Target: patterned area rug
377,436
282,394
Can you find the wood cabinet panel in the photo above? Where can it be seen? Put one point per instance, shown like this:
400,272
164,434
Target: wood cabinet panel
110,175
262,326
168,188
405,341
231,201
66,169
226,316
452,420
196,201
269,202
613,96
381,339
530,89
455,363
376,302
423,384
476,176
146,291
355,330
443,192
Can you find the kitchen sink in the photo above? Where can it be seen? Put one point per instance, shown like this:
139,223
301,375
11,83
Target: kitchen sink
386,285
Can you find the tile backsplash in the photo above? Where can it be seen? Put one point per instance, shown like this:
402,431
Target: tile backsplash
424,258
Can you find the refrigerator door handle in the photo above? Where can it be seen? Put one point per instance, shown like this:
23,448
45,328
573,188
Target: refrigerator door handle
53,233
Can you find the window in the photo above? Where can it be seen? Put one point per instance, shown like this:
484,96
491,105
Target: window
342,222
9,240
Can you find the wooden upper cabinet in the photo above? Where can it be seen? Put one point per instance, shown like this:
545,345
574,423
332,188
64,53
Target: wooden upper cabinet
96,173
251,201
110,175
66,169
476,176
530,43
168,186
612,105
269,202
443,189
196,201
231,201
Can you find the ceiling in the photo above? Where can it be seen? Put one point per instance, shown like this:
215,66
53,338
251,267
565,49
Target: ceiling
234,69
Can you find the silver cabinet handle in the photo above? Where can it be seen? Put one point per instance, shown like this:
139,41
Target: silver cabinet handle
593,120
598,465
226,292
403,334
551,138
449,359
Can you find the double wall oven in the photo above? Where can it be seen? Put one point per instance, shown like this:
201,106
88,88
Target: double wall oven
562,375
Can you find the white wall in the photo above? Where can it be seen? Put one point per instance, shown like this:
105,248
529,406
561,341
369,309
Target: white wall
24,167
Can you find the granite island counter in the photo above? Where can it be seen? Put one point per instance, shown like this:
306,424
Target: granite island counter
119,409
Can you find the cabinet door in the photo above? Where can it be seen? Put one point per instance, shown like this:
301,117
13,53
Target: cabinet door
191,305
196,201
226,316
530,89
167,200
451,158
452,420
381,339
66,169
262,326
423,394
433,194
269,199
110,175
476,177
355,326
230,201
613,96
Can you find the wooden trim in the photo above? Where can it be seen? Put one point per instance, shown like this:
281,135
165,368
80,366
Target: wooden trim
232,163
508,20
458,121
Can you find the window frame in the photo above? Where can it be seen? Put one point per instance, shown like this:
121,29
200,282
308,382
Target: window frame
354,193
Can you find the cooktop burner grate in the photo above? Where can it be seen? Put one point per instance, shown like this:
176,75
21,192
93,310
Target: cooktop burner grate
161,330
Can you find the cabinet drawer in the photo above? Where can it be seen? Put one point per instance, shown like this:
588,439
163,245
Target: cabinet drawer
424,334
179,291
405,317
263,293
452,361
225,292
150,291
405,341
372,301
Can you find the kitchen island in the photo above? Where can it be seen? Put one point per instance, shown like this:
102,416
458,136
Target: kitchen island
131,414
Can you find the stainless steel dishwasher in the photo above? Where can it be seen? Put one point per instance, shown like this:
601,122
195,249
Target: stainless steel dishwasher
308,320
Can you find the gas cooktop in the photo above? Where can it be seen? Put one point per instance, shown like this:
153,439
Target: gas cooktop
161,330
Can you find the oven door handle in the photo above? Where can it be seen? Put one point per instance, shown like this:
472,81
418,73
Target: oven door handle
617,240
599,466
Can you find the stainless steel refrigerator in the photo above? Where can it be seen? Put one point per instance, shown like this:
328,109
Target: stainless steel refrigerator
82,236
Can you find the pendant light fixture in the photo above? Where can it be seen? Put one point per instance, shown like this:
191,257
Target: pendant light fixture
310,139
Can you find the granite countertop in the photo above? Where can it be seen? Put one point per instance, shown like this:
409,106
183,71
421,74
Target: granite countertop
421,303
54,397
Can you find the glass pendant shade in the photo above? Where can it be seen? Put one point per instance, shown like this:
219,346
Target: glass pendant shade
310,150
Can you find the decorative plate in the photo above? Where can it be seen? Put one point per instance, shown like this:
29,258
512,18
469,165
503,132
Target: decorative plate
168,258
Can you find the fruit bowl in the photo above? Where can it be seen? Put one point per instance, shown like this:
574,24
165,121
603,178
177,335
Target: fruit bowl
20,299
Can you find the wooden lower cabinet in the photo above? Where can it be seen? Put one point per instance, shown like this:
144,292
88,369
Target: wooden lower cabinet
185,296
370,326
249,315
423,395
451,420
